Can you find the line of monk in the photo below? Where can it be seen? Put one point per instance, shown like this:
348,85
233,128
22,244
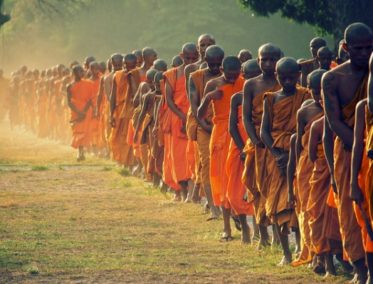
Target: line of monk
285,141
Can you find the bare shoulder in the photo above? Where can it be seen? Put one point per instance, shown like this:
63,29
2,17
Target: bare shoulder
190,68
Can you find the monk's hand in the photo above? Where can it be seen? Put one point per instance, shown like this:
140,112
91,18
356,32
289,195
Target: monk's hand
291,199
216,94
112,122
206,126
242,156
356,193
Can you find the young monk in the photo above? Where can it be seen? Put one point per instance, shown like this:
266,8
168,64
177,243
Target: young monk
139,56
87,62
136,77
122,151
310,111
146,121
218,92
252,105
343,87
362,171
214,56
95,78
278,124
204,41
236,191
177,102
244,55
309,65
79,96
324,58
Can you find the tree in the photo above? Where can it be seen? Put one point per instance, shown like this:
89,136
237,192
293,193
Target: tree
3,17
328,16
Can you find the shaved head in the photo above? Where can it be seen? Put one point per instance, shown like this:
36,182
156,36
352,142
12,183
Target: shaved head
176,61
130,57
206,37
324,52
315,44
189,53
189,47
88,60
314,78
160,65
214,51
137,52
147,52
287,65
150,74
357,32
204,41
250,68
231,63
270,48
244,55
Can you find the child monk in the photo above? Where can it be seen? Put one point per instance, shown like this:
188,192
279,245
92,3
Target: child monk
244,55
310,111
176,61
177,102
254,89
214,56
278,124
218,92
343,87
324,58
236,191
80,95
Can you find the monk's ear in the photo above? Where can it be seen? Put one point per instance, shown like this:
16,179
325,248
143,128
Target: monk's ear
221,69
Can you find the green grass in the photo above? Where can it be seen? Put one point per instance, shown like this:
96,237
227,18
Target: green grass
39,168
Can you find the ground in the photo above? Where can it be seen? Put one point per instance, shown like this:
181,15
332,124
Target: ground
68,222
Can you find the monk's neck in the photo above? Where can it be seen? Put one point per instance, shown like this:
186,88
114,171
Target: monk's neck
289,92
358,69
269,77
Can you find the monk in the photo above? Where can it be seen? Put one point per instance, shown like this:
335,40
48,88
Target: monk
310,111
343,87
86,64
176,61
80,95
236,191
214,56
218,92
122,151
244,55
160,65
95,78
324,58
361,172
140,59
252,105
342,56
278,124
309,65
4,91
177,102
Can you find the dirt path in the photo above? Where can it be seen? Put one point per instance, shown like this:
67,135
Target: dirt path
63,222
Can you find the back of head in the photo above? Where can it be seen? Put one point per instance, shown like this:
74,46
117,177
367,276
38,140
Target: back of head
357,32
245,55
150,74
214,51
251,67
231,63
160,65
287,64
314,78
176,61
147,52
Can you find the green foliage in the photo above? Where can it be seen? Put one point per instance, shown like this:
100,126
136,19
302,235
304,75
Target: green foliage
327,16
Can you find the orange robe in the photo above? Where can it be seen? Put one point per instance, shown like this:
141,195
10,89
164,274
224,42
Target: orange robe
81,94
303,175
94,125
236,190
283,116
122,152
202,137
219,143
365,180
165,133
323,219
260,177
350,230
179,140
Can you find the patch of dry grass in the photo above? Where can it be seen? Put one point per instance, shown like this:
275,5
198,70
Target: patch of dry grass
88,223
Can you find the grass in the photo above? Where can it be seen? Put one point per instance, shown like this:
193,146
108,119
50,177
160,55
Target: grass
89,223
39,168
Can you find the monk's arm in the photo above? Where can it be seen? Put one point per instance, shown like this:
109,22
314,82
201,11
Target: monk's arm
247,108
357,150
314,140
300,132
265,130
211,93
99,95
113,101
290,171
142,114
333,109
194,103
187,71
370,85
171,104
136,98
328,142
233,121
70,103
